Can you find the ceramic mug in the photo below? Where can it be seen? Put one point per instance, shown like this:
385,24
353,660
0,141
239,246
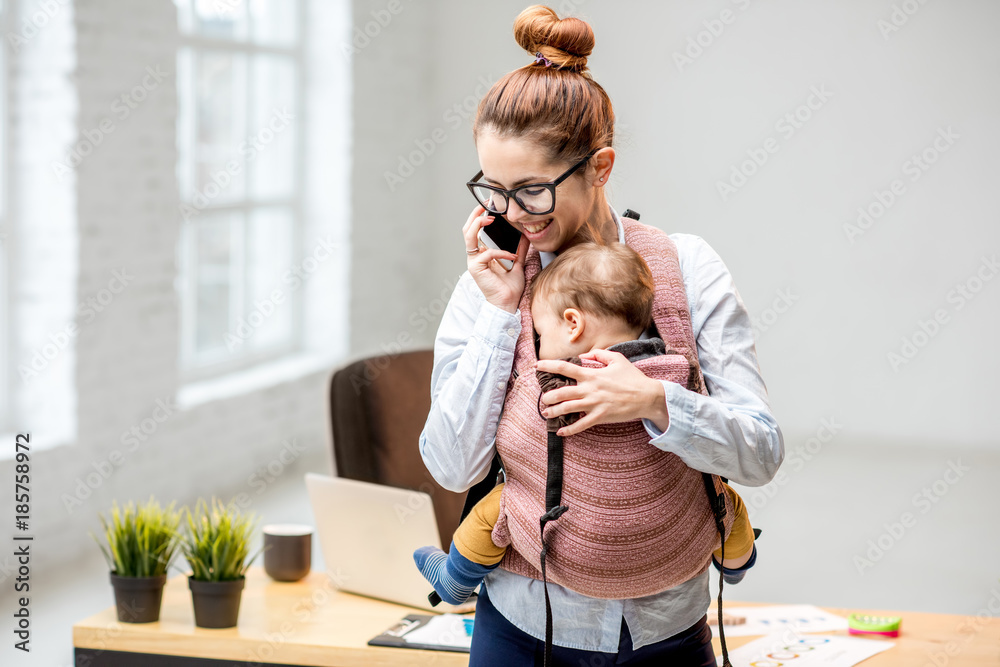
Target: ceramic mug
287,551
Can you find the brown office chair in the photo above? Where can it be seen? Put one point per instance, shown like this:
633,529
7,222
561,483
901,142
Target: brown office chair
377,410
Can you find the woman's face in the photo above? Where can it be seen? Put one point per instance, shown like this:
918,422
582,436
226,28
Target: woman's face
510,162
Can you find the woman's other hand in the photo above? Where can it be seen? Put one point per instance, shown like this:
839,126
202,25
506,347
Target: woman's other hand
501,287
619,392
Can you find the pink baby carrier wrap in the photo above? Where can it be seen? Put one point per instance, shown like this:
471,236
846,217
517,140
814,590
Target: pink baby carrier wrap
639,520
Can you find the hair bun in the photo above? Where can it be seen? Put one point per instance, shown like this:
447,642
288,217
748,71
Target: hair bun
565,42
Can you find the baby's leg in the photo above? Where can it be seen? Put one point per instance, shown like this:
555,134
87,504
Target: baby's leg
741,553
473,535
470,558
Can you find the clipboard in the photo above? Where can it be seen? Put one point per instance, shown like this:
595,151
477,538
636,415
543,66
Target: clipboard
432,632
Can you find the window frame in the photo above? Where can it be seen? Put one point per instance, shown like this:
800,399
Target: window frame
190,44
6,232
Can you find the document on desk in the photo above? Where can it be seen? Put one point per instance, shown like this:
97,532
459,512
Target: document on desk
795,650
767,619
436,632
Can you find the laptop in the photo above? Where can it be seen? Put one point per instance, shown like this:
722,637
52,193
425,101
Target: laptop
367,535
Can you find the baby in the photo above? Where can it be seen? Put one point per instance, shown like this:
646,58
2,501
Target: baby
589,297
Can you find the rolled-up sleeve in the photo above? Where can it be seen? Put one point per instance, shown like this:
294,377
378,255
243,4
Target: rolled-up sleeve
473,357
731,431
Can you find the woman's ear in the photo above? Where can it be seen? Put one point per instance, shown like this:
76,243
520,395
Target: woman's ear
574,322
604,162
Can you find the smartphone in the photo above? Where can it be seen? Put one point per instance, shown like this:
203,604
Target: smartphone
501,235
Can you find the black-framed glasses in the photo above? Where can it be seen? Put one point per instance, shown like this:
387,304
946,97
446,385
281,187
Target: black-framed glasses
534,198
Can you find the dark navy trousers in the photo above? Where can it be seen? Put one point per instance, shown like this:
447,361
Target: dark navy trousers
496,642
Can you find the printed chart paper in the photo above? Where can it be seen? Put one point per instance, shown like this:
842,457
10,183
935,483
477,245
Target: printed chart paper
789,649
443,630
765,620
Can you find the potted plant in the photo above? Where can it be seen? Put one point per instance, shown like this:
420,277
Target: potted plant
141,542
216,547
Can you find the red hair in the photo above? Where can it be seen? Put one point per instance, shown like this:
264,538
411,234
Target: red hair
561,108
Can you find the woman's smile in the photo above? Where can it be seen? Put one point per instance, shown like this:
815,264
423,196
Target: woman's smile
536,230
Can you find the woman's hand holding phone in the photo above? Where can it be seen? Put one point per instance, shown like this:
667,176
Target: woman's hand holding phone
501,287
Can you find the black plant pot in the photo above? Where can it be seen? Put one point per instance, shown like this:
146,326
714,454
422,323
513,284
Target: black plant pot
216,603
138,598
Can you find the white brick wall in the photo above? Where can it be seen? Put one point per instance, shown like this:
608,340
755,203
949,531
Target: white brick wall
117,211
43,247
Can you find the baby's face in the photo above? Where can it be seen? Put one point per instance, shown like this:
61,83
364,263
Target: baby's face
559,337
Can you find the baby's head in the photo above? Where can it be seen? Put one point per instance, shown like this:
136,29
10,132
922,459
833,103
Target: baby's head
591,296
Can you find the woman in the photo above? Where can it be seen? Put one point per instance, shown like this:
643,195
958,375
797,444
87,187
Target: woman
538,124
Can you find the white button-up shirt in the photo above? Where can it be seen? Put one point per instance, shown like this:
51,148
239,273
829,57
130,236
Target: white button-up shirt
730,432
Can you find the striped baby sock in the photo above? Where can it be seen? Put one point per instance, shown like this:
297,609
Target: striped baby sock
453,576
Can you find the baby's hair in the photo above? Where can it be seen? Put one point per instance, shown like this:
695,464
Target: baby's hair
610,280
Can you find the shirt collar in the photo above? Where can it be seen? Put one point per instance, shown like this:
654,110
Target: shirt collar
547,257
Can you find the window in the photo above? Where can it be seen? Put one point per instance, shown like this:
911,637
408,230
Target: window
239,166
5,376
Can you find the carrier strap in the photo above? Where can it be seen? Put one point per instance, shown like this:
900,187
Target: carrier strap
718,503
553,510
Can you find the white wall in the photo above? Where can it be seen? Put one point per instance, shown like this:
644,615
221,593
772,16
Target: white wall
392,231
681,130
118,211
679,133
869,447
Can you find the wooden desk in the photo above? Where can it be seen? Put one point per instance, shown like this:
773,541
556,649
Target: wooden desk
310,623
